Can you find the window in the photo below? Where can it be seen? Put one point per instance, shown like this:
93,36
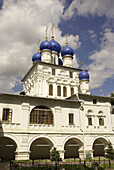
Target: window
41,115
90,112
7,115
72,91
51,89
71,119
94,101
64,91
101,121
89,121
71,74
53,71
58,90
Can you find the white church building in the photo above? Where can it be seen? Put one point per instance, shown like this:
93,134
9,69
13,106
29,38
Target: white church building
55,109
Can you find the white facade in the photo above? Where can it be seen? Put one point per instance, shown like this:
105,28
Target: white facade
80,122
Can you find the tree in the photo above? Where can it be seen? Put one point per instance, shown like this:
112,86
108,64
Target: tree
109,151
54,155
112,94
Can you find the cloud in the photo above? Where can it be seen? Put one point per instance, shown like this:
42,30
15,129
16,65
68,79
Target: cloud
75,62
22,23
102,66
85,7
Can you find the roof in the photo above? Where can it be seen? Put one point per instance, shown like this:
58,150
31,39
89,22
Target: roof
87,97
26,97
79,97
57,66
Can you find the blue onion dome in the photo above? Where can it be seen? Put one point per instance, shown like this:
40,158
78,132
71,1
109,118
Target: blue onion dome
60,62
36,57
45,45
84,75
67,51
55,46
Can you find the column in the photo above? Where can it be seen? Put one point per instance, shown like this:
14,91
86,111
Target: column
22,155
25,115
61,152
57,116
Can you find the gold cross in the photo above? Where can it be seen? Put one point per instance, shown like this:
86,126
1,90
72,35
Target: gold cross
46,32
38,44
52,29
83,65
66,38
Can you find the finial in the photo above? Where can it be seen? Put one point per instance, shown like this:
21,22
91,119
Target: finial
52,30
83,65
38,45
66,38
46,32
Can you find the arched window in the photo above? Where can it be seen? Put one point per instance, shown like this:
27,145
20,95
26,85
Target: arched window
51,90
100,112
7,115
58,90
41,115
101,122
72,91
64,91
90,112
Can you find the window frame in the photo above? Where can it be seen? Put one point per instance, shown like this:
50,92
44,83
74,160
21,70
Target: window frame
41,116
58,90
71,74
64,91
50,89
94,101
90,121
71,119
53,71
72,93
101,121
7,117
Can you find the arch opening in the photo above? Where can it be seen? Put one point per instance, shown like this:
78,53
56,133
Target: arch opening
99,146
40,149
7,148
72,147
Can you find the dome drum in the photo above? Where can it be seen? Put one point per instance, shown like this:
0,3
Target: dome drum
67,56
45,50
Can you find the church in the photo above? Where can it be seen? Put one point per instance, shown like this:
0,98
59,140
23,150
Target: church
55,109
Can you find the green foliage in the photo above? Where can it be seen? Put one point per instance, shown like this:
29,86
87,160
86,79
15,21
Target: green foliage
88,156
109,152
54,155
112,94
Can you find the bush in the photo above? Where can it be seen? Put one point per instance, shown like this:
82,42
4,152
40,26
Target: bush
88,156
15,165
109,151
54,155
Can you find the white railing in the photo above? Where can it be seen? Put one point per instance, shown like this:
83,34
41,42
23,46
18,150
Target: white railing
9,125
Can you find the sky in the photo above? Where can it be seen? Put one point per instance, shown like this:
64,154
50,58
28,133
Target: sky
90,28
